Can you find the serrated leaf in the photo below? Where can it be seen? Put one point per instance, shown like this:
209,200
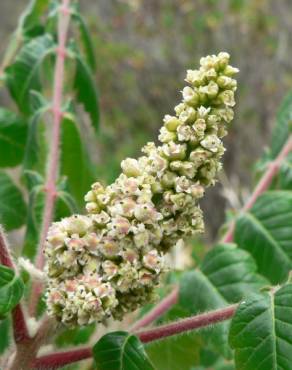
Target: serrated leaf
232,271
12,205
85,39
74,161
261,332
226,276
265,231
13,131
11,290
120,351
23,75
86,90
175,353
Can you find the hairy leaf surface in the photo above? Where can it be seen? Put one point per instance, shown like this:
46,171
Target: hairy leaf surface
261,331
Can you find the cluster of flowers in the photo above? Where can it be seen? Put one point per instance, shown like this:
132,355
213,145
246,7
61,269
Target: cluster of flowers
108,262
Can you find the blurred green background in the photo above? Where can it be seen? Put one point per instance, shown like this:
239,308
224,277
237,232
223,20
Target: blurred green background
143,48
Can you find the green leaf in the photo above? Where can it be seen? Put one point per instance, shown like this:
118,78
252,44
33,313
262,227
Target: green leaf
12,205
5,335
265,231
86,90
120,351
36,149
23,75
175,353
11,290
227,275
232,271
75,336
283,126
197,294
34,221
285,174
261,332
75,163
85,39
30,19
13,131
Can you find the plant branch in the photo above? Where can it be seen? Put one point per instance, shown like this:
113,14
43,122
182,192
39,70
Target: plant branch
53,167
20,330
59,359
52,174
184,325
27,352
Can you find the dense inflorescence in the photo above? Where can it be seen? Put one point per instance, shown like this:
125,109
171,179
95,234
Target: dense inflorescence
108,262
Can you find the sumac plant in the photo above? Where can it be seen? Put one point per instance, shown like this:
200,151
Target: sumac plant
93,284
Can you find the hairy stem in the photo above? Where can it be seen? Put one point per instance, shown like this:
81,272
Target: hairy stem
52,173
20,330
59,359
26,352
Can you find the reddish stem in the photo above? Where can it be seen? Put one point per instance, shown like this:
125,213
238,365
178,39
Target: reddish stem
158,310
59,359
188,324
20,329
52,173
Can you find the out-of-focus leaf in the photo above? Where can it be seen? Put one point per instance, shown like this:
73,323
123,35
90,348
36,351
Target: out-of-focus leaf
65,206
86,90
285,174
5,334
226,276
13,131
75,336
11,290
175,353
12,205
265,231
260,331
120,351
36,149
75,162
86,40
23,75
30,19
283,126
34,220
